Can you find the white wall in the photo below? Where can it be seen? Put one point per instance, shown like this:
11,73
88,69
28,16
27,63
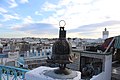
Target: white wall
106,74
101,76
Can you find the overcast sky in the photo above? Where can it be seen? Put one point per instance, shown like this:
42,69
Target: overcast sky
40,18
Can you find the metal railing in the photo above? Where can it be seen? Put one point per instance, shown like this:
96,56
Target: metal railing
12,73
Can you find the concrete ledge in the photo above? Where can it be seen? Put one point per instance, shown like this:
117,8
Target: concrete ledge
43,73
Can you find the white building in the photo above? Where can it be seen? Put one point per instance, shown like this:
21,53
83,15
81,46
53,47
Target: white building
105,34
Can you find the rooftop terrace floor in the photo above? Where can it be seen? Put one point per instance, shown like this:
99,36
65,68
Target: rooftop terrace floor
116,71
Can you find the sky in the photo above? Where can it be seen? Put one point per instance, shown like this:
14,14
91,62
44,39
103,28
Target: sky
40,18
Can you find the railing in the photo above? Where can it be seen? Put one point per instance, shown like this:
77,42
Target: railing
12,73
90,52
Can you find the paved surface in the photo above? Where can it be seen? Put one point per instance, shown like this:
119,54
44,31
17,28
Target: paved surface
116,71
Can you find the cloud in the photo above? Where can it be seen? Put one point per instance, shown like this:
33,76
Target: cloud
83,18
17,27
24,1
78,13
12,3
1,25
36,28
68,10
94,26
2,10
96,29
9,17
48,6
37,13
28,19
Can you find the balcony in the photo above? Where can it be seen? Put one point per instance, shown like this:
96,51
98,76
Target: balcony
12,73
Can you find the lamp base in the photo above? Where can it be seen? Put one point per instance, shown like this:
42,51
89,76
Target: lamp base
64,71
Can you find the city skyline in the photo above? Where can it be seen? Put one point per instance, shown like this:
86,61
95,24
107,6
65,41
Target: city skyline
40,18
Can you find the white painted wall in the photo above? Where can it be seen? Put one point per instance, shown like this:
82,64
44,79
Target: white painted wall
106,74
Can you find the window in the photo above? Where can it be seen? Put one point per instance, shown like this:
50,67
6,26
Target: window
42,53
